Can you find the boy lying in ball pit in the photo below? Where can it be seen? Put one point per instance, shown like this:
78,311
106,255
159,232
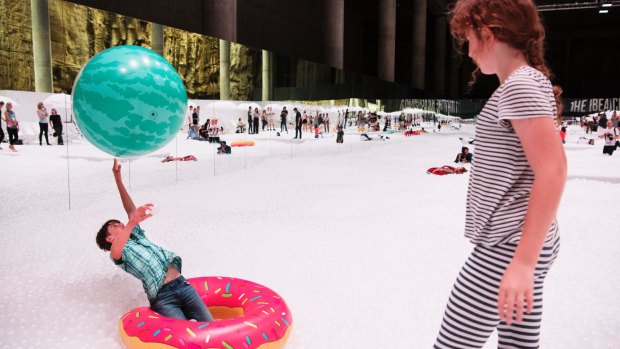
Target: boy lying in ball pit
159,270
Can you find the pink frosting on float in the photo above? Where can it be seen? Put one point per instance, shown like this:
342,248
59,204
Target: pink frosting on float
266,318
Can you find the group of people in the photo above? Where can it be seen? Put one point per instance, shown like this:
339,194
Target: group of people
592,123
44,118
256,118
607,129
12,125
209,131
604,127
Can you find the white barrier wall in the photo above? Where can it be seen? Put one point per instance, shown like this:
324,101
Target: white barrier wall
25,104
227,112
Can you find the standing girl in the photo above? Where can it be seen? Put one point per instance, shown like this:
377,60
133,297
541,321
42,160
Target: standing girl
255,123
326,122
12,125
263,118
270,115
515,185
43,123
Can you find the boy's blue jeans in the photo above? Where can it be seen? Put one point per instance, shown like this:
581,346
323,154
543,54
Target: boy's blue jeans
179,300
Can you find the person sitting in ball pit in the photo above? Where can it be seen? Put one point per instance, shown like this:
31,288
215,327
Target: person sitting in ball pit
203,131
365,137
240,127
192,134
168,292
184,158
340,135
224,149
464,156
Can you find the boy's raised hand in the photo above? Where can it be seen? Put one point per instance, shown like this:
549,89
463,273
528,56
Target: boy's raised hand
141,213
116,168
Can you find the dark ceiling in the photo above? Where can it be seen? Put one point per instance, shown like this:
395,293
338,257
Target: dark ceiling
583,46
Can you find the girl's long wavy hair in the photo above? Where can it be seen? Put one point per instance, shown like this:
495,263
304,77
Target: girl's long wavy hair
514,22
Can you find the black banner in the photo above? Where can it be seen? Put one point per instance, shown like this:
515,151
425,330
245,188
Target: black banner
578,107
466,108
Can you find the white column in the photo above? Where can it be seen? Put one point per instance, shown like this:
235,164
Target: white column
224,70
266,65
157,38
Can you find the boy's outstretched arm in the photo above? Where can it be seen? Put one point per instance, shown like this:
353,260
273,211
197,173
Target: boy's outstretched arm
138,215
128,204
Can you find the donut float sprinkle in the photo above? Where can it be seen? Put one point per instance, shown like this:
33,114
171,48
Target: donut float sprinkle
242,322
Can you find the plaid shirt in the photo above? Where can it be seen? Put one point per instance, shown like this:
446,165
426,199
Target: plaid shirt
147,261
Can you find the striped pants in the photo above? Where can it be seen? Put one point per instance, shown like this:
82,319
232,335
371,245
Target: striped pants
471,313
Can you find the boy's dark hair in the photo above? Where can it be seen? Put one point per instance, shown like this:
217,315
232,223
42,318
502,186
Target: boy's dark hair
102,234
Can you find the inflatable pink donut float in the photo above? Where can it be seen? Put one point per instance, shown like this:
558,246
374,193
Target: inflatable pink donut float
247,316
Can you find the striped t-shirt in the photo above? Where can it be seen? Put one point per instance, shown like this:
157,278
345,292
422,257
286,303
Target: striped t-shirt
501,178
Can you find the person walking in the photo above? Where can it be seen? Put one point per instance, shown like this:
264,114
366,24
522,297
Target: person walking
521,160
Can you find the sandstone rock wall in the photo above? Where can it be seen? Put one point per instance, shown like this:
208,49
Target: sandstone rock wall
78,33
241,72
197,60
16,63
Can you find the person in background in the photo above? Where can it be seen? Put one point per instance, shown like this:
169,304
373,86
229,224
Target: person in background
563,134
464,156
195,119
298,123
43,123
270,115
250,122
256,120
610,134
263,119
304,122
283,116
340,135
57,126
240,127
203,131
224,149
326,122
190,110
1,118
521,161
12,126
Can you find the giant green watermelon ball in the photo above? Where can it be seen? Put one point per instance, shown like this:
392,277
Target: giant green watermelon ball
129,101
